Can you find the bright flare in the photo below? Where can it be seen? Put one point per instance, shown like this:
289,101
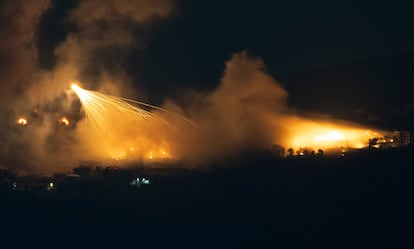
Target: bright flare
330,136
124,130
64,121
324,135
74,87
22,121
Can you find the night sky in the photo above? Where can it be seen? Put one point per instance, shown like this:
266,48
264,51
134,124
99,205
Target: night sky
351,60
232,157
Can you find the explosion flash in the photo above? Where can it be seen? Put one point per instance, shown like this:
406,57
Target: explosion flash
125,129
324,135
64,121
22,121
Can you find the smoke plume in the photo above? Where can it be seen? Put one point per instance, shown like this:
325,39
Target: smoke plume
247,112
105,31
237,116
18,26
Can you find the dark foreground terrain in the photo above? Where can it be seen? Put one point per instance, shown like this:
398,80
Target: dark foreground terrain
362,200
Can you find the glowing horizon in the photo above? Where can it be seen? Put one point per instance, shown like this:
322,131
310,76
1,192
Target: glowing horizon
326,135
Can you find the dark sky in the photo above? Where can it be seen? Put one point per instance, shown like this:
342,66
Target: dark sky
291,36
304,44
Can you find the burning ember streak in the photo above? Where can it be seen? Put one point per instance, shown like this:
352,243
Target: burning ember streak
126,130
22,121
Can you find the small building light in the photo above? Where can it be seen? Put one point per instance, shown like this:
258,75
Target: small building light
50,186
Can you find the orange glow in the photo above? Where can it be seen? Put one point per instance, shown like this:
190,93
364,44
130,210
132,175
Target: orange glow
326,135
123,131
329,136
64,121
22,121
119,155
150,156
75,87
161,154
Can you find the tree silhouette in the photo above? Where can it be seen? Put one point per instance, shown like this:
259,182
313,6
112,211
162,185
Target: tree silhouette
290,152
320,152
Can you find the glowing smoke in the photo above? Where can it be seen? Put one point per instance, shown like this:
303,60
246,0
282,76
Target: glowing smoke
103,27
237,116
246,112
124,129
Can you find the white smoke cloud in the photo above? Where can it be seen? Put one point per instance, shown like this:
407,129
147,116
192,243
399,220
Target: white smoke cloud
103,27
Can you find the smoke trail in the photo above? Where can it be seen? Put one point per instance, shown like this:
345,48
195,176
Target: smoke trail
106,31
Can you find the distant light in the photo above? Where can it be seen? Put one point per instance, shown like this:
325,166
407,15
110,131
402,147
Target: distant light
140,181
64,121
51,186
164,154
22,121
